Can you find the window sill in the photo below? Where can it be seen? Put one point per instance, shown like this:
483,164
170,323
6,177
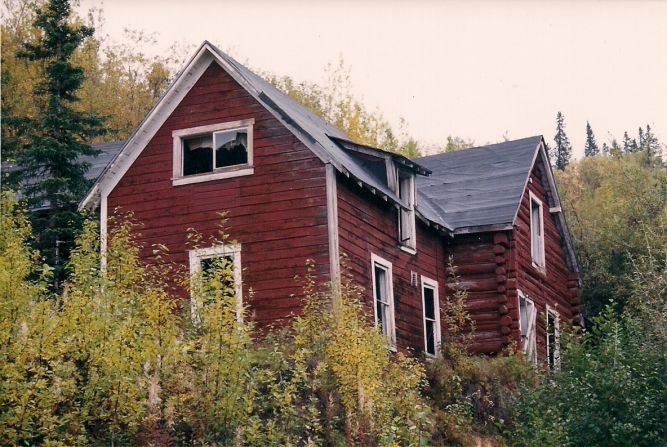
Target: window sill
207,177
407,249
539,268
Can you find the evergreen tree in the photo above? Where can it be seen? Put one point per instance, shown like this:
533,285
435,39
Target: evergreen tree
629,144
51,171
563,149
605,149
591,147
615,148
549,152
650,142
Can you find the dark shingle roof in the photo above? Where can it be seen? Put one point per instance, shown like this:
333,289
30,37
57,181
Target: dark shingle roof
476,187
319,134
98,164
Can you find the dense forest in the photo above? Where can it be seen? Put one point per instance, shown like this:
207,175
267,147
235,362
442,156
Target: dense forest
103,356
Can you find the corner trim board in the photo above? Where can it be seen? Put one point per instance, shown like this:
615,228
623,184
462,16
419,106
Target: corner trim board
103,232
332,226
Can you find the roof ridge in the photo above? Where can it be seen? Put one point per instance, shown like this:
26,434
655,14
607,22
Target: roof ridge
486,146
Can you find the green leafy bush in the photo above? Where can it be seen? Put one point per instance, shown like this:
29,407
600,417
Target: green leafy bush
611,390
115,359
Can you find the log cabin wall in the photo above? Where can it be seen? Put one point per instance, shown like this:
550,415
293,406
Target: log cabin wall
556,286
484,269
278,214
368,224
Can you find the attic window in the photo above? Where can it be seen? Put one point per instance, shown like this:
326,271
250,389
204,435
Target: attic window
406,215
213,152
536,232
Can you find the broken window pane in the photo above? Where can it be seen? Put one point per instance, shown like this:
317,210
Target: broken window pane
429,303
430,337
197,155
231,148
430,321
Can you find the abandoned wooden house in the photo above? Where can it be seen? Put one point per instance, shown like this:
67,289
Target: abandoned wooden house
296,188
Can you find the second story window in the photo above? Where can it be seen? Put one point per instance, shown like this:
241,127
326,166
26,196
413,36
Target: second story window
406,216
536,232
211,152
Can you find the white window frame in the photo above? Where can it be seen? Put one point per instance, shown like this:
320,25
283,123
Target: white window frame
537,258
196,256
529,343
437,336
218,173
407,211
387,267
556,316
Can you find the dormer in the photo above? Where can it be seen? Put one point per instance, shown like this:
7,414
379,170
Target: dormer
397,174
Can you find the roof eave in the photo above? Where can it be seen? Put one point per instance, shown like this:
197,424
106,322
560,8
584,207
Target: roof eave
540,151
419,169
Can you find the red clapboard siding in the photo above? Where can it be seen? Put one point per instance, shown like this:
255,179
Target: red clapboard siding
278,214
368,225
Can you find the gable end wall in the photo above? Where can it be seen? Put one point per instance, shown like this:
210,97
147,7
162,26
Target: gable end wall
557,286
278,214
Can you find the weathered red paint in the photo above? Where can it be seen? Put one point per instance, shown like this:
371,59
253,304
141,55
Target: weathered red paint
278,214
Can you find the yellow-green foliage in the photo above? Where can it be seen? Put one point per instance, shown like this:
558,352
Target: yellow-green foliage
615,207
471,395
116,359
379,392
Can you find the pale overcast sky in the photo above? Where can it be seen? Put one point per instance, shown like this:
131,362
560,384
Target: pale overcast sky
474,69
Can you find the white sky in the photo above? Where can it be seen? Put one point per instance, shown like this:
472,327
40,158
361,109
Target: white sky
474,69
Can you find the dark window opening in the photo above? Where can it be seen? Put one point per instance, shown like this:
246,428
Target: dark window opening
225,266
197,155
231,148
430,320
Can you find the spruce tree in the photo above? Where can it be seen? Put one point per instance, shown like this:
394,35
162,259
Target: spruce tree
563,149
650,143
52,174
629,144
591,146
605,149
615,149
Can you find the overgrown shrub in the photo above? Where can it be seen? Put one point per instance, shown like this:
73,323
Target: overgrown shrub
612,387
472,395
117,360
611,390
